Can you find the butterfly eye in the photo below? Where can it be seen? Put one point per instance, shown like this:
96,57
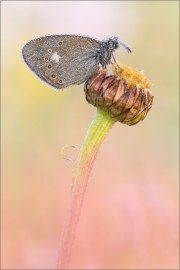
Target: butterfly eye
49,66
49,50
60,81
46,58
60,43
53,76
110,44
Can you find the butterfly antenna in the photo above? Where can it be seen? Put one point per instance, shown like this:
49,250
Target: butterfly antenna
126,47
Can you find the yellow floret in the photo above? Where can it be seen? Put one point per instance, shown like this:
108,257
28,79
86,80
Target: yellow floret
133,76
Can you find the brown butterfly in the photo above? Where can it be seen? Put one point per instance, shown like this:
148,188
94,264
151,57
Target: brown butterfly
64,60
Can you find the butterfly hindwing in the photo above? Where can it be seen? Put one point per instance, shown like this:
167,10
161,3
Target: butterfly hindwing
65,60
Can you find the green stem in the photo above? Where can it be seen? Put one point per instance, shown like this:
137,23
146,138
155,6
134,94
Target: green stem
100,126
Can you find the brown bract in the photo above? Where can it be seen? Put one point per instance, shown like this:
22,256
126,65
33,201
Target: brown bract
124,95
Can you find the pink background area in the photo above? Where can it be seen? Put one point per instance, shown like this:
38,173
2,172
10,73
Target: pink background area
130,215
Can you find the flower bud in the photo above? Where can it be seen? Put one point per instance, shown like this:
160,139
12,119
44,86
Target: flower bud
124,95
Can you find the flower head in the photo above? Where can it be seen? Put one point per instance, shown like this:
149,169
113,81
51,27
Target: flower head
125,95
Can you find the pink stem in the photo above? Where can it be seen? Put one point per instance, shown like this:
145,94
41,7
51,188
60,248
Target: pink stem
99,128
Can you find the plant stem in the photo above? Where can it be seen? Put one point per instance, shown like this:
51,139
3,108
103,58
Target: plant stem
100,125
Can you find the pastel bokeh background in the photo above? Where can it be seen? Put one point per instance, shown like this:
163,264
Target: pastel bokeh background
130,215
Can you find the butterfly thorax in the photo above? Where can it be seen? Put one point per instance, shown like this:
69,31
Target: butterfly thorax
107,48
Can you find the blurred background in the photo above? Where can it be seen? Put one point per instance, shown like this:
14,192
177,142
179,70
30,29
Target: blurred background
130,216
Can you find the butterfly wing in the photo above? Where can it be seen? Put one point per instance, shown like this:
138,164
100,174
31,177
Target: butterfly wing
65,60
30,51
62,60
